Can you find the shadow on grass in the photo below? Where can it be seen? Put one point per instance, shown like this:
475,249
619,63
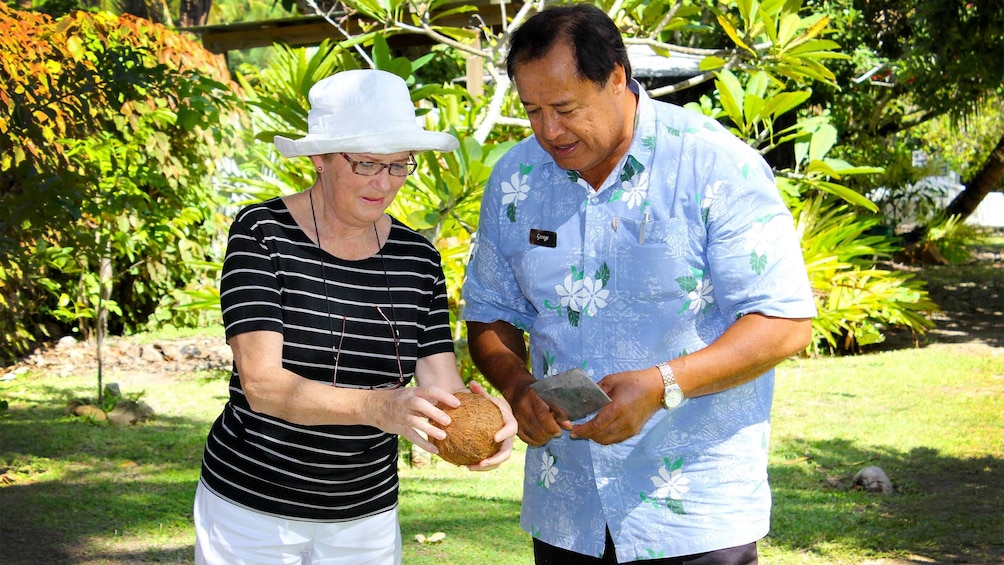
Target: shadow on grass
115,484
970,297
83,519
125,495
946,509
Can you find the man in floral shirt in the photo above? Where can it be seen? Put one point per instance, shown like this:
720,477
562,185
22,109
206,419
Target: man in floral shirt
647,246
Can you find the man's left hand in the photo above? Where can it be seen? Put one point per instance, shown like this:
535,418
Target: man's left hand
634,395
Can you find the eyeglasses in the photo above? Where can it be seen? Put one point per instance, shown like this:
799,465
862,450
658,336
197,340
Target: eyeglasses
397,352
372,168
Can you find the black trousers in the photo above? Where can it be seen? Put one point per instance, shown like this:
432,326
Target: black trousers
545,554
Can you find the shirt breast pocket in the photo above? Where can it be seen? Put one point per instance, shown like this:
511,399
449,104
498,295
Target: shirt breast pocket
649,257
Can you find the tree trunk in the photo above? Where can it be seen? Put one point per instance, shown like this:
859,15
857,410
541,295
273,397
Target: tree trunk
985,181
105,280
194,13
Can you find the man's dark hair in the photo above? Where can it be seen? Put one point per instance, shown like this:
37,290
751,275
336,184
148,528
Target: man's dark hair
593,36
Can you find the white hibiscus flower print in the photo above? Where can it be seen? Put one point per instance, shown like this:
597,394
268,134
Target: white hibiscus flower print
635,191
593,296
699,291
515,190
671,484
570,293
549,474
759,239
701,296
580,294
670,487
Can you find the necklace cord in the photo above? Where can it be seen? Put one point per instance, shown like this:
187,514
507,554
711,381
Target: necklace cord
337,353
393,314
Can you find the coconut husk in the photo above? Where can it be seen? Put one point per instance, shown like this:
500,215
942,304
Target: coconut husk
470,435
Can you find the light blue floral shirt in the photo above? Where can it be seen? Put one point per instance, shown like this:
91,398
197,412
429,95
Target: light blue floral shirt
686,235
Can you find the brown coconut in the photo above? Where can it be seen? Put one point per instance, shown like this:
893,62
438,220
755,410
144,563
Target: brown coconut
470,435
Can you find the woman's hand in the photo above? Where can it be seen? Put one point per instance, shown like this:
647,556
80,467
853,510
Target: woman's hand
410,411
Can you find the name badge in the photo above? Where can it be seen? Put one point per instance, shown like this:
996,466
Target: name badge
544,238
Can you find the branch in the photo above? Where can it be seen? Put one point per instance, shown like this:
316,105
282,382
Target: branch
517,122
427,30
665,20
503,41
692,81
924,117
689,83
763,141
680,49
327,17
615,8
494,113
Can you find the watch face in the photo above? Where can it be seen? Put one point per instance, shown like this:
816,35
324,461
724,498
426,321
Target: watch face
673,397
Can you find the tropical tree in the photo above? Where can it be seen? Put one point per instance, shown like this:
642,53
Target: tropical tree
918,62
764,60
108,141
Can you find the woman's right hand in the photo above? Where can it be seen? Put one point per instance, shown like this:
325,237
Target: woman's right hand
410,411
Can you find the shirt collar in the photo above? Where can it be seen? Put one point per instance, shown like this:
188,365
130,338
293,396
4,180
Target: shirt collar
642,148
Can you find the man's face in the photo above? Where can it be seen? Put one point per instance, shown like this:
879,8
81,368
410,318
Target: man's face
584,127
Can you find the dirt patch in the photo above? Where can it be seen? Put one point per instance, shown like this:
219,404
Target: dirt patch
125,356
971,298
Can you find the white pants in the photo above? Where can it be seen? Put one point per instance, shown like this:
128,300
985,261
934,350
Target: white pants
227,534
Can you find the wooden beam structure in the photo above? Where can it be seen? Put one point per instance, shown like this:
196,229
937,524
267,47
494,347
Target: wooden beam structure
311,30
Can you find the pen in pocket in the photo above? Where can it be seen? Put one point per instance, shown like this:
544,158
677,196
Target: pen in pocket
641,231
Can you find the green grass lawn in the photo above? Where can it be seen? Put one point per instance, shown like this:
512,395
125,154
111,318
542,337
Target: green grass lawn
932,419
77,492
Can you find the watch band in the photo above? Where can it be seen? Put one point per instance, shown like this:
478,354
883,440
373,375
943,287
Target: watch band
672,394
668,378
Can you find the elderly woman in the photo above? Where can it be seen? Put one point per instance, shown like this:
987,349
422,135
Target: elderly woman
331,307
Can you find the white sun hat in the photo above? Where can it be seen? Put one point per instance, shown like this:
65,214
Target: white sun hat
363,111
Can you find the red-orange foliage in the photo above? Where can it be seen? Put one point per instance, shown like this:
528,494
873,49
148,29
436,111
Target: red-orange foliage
53,85
109,126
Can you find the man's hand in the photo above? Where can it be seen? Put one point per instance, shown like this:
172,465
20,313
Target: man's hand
634,395
537,425
499,351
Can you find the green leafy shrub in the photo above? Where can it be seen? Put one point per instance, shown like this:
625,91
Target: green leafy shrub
954,239
856,298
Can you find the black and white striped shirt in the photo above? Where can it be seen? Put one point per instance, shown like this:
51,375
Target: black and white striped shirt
273,280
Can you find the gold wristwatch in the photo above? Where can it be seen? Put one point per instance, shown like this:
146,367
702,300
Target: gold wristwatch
672,395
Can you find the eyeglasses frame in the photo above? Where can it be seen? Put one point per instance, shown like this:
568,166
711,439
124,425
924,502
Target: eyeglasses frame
353,164
397,351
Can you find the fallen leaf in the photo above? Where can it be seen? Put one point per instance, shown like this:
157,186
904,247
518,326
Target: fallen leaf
434,538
